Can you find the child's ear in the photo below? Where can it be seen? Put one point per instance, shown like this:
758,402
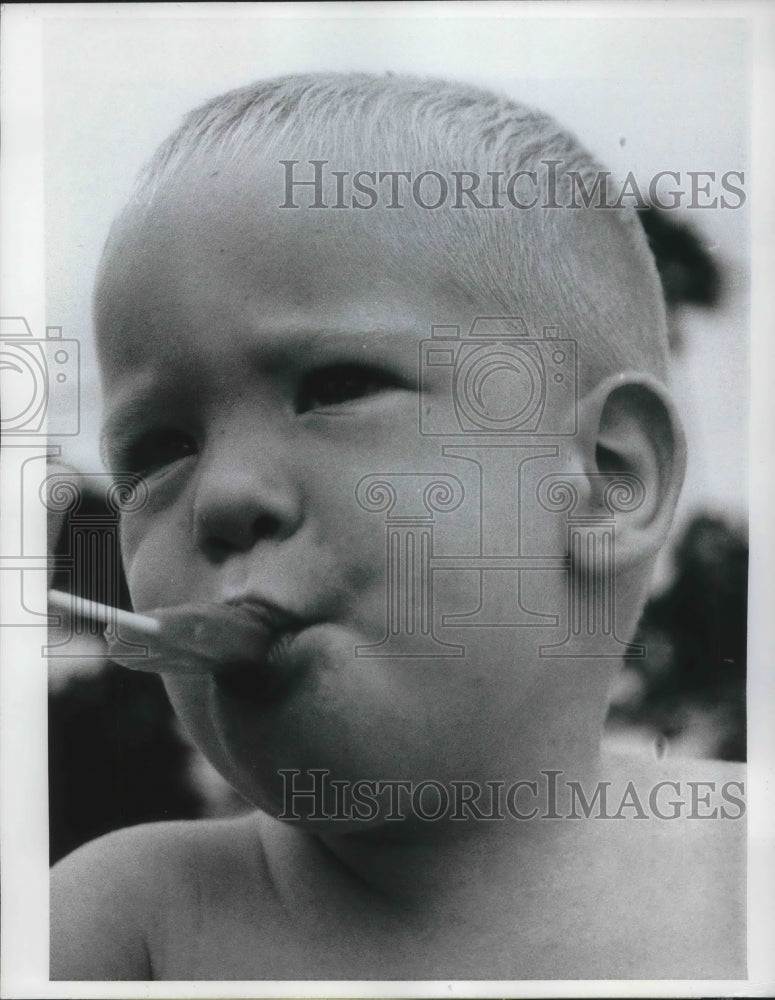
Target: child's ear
628,427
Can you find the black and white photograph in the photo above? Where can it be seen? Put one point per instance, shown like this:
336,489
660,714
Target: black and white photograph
387,556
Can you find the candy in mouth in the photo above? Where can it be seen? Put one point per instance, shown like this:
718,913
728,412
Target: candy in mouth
245,637
259,678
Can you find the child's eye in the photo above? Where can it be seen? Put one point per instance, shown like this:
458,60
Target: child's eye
340,384
158,449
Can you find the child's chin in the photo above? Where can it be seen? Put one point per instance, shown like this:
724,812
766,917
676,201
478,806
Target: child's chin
247,686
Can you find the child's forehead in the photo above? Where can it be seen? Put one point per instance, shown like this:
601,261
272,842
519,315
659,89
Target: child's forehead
238,209
223,236
221,268
219,242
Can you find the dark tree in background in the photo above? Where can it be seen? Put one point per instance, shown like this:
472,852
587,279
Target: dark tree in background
695,632
695,635
690,276
115,758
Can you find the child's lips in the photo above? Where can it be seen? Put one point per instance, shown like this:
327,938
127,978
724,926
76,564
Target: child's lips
260,676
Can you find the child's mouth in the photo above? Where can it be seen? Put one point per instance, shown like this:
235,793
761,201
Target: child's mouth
244,644
261,676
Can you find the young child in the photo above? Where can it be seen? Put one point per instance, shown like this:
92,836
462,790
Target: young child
355,410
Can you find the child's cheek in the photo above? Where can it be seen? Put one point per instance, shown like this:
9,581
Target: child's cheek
151,562
153,541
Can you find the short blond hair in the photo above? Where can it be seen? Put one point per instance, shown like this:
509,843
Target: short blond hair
587,269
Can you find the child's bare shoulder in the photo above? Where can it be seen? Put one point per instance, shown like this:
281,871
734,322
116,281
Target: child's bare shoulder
117,901
694,809
682,857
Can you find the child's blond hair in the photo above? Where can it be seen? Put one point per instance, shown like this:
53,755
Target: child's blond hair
588,270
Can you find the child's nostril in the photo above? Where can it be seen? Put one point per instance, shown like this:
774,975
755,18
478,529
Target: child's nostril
266,526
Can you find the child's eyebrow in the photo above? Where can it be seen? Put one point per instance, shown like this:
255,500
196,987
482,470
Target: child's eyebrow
128,409
120,425
379,344
298,339
296,343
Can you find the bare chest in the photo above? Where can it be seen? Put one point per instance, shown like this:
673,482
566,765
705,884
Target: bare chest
669,917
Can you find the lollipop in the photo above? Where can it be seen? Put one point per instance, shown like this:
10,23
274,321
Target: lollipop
188,639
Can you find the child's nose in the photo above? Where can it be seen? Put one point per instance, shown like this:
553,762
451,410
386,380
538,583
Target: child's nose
242,499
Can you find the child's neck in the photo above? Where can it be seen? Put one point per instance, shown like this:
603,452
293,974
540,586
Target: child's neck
415,869
429,875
